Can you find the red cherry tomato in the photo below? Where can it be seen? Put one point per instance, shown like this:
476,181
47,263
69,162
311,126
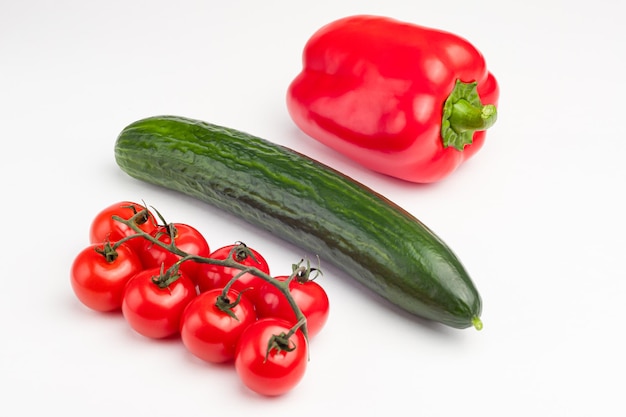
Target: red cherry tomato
267,368
310,297
99,275
209,332
186,237
211,276
104,228
153,311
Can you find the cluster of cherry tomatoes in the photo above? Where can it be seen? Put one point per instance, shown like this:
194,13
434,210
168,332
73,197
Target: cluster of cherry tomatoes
224,305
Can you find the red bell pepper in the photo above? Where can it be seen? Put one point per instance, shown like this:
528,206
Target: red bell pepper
404,100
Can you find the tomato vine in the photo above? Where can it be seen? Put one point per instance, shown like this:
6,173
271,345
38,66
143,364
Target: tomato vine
229,261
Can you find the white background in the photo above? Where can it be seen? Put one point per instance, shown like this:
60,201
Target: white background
537,217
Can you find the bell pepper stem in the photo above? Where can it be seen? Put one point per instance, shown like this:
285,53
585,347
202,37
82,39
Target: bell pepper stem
464,114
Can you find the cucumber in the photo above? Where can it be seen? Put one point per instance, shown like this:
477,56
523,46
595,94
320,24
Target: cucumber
307,204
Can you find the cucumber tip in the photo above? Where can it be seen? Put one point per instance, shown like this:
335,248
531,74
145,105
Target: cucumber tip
478,324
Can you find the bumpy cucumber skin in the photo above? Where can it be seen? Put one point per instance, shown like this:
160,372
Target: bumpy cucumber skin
308,204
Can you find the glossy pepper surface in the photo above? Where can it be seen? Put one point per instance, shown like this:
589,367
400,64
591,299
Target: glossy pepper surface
401,99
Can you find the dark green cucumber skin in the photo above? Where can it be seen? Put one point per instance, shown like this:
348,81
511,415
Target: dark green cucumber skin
307,204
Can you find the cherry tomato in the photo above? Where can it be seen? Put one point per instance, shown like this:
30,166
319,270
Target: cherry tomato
186,237
153,311
104,228
211,276
99,275
209,332
271,368
310,297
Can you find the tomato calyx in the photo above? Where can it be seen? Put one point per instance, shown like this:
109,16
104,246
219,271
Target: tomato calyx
168,229
134,222
108,251
303,274
163,229
282,342
223,303
238,254
166,277
139,220
241,252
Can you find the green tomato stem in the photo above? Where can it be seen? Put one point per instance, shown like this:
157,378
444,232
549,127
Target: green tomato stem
108,251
